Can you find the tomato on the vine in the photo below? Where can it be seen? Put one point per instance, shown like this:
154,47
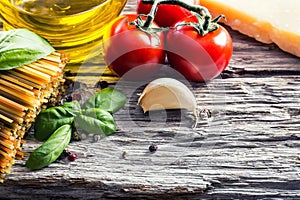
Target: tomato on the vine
131,52
135,48
167,14
197,57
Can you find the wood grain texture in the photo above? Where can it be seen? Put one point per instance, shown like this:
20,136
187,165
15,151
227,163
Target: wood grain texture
248,149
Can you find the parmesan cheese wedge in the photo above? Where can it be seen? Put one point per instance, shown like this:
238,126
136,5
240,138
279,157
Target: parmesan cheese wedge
267,21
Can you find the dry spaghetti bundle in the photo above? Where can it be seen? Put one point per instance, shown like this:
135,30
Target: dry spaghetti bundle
24,91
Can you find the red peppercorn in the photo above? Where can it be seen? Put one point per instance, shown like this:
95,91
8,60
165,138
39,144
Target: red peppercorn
72,157
76,96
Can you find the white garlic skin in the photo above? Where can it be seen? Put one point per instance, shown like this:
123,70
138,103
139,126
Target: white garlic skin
167,93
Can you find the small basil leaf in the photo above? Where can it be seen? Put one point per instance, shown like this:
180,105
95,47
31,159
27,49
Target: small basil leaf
51,149
21,46
108,99
51,119
96,121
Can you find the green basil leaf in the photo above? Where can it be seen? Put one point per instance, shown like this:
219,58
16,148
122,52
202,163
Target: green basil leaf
96,121
52,118
51,149
73,107
108,99
21,46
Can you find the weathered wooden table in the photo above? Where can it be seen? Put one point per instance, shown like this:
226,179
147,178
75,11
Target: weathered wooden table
248,149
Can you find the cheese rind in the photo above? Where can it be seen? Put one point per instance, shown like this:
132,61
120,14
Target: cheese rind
267,21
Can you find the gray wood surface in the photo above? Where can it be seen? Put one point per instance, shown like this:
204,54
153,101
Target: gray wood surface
248,149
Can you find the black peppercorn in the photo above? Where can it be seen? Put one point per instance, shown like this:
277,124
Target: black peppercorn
64,154
101,84
152,148
69,98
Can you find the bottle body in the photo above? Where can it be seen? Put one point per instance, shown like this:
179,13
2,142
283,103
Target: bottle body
73,27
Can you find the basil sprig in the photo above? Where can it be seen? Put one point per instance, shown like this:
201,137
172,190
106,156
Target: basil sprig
92,118
51,149
21,46
52,118
97,121
107,99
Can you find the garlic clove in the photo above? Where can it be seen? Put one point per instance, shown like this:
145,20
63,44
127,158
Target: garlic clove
168,93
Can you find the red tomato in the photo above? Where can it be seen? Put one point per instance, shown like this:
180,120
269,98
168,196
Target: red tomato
130,52
198,58
166,14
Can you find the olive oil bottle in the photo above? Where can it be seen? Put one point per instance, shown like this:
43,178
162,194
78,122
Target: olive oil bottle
74,27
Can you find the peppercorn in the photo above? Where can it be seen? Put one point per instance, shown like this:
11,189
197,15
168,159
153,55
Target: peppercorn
101,84
64,99
76,96
125,154
152,148
72,157
75,136
69,98
68,73
96,138
64,154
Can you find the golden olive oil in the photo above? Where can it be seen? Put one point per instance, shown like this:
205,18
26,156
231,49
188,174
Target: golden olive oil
74,27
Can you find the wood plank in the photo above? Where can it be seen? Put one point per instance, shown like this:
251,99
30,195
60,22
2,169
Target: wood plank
248,149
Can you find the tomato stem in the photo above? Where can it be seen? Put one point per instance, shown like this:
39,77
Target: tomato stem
151,15
195,8
205,24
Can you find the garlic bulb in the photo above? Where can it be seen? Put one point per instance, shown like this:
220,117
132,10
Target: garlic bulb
168,93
